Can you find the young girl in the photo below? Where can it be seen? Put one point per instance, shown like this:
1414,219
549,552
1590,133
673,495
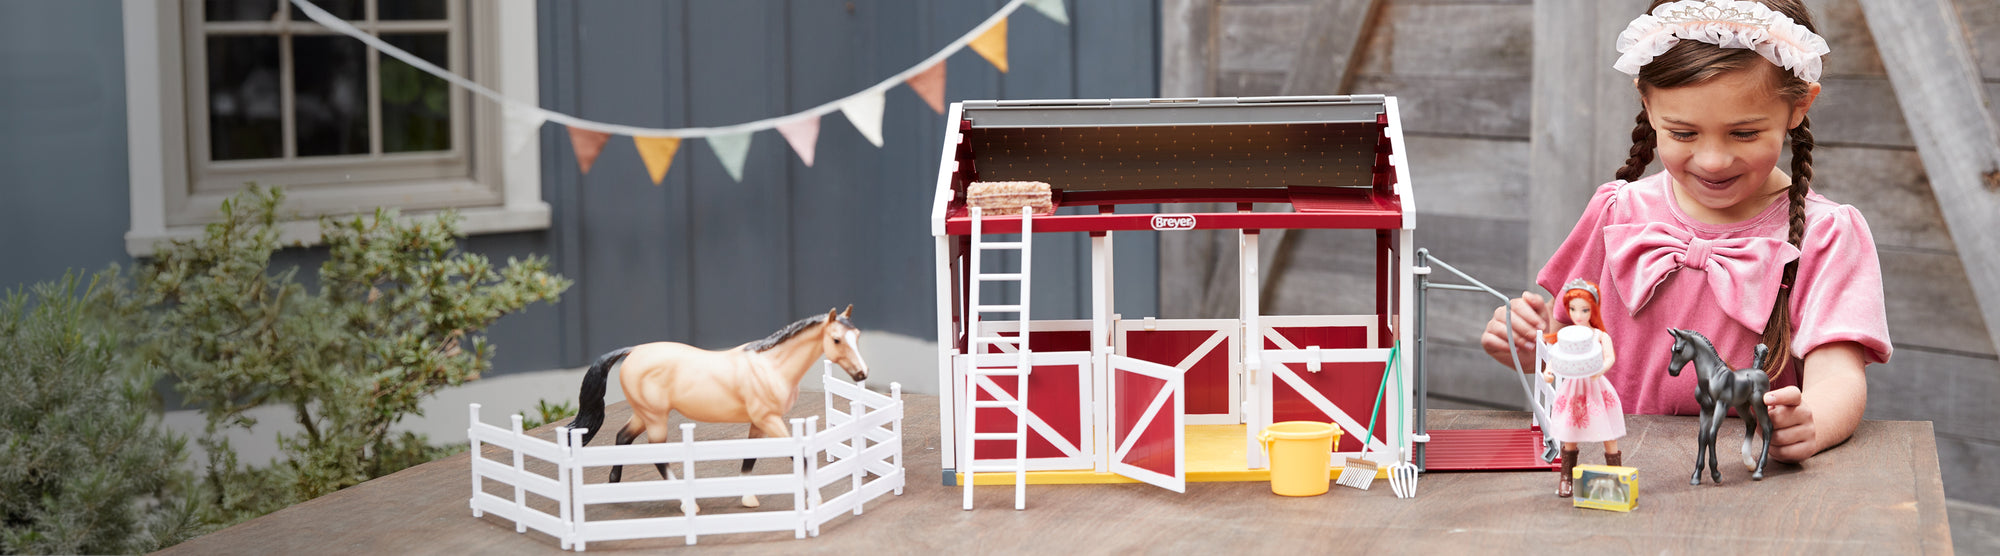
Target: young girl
1586,408
1723,242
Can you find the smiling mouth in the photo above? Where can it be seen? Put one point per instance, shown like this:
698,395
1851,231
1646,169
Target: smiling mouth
1717,185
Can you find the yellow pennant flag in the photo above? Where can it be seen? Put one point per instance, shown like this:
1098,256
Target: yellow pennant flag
658,154
993,45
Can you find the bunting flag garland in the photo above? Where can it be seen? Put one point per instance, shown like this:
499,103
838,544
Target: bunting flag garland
731,143
993,45
1052,8
522,128
658,154
731,149
803,134
865,110
588,144
929,85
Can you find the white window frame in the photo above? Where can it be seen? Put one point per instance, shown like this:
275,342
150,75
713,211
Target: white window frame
502,193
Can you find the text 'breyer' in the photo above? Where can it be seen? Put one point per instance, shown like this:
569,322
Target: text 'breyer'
1165,222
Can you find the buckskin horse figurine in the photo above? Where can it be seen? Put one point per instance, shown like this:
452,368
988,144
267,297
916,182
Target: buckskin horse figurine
1718,390
753,383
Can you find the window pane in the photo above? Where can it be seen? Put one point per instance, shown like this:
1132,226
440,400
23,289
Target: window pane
345,9
330,99
243,98
239,10
416,106
391,10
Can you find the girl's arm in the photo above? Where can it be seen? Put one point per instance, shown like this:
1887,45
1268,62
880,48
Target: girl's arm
1822,416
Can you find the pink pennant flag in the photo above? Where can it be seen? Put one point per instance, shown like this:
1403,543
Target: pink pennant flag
588,144
803,134
929,85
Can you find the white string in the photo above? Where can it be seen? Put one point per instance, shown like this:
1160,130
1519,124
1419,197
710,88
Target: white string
341,26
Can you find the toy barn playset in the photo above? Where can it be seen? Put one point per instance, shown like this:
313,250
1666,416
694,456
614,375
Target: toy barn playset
1166,401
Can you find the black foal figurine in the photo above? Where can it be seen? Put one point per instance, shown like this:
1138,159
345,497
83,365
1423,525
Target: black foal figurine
1718,390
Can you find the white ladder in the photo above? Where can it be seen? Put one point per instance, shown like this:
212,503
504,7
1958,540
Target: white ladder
986,348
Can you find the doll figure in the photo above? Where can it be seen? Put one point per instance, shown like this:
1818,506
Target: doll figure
1586,408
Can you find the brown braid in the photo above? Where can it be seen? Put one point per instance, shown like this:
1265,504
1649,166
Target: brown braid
1644,138
1778,332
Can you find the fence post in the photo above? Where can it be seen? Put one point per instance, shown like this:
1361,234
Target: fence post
860,441
575,491
812,473
800,451
562,485
826,371
471,433
687,470
520,470
896,427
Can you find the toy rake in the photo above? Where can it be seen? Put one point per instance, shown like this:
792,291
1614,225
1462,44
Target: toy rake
1358,472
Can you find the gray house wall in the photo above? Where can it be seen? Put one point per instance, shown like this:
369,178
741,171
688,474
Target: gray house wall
713,262
701,259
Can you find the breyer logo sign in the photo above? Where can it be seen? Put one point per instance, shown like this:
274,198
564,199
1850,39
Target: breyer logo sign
1164,222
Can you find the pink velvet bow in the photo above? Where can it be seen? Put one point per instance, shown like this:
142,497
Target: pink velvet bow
1743,273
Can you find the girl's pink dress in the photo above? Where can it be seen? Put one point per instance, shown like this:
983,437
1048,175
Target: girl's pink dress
1586,409
1658,269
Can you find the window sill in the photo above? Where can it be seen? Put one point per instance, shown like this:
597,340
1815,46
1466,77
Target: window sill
529,216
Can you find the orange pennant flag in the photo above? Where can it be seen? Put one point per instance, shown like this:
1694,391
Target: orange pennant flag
588,144
929,84
993,45
658,154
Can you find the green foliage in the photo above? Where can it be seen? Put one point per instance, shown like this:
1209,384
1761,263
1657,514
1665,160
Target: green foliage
395,315
86,468
549,413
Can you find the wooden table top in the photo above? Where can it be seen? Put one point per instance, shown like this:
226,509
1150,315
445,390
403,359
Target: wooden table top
1880,492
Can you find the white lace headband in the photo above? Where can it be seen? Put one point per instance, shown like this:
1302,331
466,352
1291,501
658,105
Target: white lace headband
1724,23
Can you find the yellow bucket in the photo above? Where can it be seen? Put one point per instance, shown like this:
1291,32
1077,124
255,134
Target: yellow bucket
1301,454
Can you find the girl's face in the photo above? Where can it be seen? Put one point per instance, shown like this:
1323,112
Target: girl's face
1579,311
1721,141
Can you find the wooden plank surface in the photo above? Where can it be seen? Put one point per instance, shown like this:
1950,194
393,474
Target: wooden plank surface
1187,48
1930,63
1562,125
1335,30
1879,493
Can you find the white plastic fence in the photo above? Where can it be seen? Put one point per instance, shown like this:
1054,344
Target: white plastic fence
871,425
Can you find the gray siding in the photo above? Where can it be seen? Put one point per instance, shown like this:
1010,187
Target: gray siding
63,194
700,259
712,262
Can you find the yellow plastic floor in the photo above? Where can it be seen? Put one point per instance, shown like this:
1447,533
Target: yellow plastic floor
1215,453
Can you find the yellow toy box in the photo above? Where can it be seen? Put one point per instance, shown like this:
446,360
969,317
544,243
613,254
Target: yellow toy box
1606,487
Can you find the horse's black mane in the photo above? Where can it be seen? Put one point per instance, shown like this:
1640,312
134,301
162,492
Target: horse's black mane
1704,341
790,330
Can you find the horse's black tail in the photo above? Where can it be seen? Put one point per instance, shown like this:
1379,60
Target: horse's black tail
590,401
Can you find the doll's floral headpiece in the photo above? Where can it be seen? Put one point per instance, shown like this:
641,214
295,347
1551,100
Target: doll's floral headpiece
1724,23
1585,285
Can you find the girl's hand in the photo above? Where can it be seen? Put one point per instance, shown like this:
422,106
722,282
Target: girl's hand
1792,431
1824,414
1530,316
